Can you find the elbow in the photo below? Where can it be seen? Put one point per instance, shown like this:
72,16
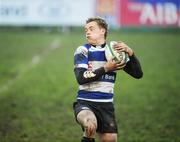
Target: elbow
139,75
80,82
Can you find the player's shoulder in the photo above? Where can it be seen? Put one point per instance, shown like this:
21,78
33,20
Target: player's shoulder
85,46
82,49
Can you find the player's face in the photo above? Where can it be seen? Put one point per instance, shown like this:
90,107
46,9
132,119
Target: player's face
94,33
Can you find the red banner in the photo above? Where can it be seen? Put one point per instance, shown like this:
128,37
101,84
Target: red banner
159,13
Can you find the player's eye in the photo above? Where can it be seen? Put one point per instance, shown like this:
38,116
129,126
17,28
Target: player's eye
91,29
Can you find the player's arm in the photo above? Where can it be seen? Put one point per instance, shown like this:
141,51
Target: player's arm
84,76
133,67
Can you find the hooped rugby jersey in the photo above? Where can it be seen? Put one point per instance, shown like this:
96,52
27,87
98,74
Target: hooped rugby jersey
92,58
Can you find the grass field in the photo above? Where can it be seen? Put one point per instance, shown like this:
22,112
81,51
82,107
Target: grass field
38,87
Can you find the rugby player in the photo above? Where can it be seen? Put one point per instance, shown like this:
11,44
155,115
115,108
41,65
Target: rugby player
94,108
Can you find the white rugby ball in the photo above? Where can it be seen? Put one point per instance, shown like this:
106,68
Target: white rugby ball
112,54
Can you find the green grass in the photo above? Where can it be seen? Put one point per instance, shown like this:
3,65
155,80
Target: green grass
36,99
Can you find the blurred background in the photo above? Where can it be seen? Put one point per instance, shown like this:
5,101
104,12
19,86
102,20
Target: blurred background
37,84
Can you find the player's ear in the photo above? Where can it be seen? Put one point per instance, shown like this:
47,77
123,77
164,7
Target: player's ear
103,31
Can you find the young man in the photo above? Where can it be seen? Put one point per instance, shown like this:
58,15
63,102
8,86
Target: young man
94,109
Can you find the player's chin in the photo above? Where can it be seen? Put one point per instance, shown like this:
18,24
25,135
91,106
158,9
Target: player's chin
90,41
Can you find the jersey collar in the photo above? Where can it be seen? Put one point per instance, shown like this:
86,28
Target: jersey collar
99,46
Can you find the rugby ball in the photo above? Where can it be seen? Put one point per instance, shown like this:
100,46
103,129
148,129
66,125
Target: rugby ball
112,54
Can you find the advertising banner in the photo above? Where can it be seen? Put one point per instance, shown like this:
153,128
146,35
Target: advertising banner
149,13
108,9
45,12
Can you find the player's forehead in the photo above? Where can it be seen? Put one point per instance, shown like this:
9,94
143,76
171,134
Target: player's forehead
91,25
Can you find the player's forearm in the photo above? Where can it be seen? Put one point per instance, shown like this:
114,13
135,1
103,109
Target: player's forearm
133,67
83,76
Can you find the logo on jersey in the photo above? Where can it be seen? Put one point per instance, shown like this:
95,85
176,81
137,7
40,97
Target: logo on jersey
89,74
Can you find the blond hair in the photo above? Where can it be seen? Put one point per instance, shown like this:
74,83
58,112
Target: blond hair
101,23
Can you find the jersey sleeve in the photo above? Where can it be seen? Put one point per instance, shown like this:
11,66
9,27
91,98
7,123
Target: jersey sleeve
81,57
133,67
81,67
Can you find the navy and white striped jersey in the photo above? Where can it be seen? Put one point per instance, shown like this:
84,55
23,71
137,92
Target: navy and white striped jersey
91,58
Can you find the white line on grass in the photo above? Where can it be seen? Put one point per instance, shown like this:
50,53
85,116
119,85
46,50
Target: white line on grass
36,59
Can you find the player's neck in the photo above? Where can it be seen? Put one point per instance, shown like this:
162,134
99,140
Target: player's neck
99,42
101,45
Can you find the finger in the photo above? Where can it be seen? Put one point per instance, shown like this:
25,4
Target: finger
112,61
118,69
120,63
118,48
121,67
123,44
118,45
123,62
120,42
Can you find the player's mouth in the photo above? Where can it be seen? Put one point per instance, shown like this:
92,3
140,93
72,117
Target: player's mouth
87,36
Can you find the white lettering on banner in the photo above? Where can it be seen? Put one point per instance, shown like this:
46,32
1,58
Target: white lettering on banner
45,12
159,11
54,9
13,11
162,13
147,14
171,14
